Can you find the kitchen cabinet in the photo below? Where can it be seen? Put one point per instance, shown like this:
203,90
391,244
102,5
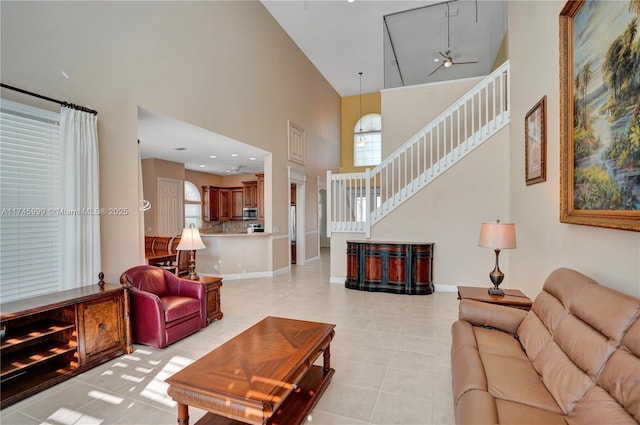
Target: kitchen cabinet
221,203
210,206
225,204
237,196
250,195
53,337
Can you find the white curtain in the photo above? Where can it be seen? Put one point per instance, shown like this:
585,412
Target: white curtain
81,198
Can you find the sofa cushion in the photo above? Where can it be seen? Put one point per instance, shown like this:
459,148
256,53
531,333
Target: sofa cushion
584,339
465,359
176,307
536,329
620,377
476,407
510,412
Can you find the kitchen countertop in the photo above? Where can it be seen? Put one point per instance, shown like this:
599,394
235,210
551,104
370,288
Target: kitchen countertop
235,234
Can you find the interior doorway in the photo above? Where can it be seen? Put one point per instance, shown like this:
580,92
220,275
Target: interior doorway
323,239
297,180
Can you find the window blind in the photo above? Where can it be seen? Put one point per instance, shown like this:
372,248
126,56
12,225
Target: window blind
30,181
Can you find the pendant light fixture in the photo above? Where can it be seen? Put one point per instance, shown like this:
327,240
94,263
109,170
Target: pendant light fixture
361,142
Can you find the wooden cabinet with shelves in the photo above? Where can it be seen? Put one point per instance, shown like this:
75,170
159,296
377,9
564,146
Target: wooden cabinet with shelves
53,337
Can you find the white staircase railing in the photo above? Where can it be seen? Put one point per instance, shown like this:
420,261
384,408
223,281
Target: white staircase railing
356,201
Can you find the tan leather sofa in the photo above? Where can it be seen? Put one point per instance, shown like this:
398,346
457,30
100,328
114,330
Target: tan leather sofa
574,358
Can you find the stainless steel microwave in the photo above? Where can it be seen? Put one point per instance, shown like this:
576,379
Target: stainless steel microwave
250,213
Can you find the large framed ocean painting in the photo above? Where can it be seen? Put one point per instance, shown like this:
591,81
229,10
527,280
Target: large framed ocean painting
600,113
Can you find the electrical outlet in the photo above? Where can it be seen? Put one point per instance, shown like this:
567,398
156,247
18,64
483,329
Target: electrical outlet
276,229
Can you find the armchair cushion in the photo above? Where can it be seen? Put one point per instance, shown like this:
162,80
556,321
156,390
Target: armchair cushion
176,307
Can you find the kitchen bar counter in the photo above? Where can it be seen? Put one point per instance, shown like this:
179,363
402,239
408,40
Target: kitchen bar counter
235,234
235,255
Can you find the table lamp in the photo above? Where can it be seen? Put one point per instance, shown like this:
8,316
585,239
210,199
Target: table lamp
497,236
191,241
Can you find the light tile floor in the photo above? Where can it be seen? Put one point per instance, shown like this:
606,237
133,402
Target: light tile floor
390,353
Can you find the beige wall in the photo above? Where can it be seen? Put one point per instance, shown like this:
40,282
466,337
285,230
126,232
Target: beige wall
610,256
227,67
153,168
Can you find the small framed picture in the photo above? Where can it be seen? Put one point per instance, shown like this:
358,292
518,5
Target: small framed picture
535,143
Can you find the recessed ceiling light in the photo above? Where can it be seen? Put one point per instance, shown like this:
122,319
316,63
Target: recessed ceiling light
212,156
252,159
64,74
436,60
234,154
203,166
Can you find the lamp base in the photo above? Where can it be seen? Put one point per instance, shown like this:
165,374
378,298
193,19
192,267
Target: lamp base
496,291
193,276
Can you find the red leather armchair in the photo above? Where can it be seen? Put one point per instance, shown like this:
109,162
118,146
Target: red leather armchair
164,307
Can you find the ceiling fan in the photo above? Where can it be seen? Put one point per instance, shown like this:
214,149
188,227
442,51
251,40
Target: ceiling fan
448,61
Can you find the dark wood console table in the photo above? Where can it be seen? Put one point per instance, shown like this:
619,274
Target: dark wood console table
396,267
53,337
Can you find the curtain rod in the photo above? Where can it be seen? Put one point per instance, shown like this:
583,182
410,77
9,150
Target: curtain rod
60,102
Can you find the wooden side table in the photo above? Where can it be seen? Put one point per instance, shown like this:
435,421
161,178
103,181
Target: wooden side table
213,285
511,297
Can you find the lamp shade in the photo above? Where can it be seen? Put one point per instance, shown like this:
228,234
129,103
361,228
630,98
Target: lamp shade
190,240
498,235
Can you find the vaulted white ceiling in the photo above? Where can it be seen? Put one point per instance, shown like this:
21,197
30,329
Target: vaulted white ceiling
393,43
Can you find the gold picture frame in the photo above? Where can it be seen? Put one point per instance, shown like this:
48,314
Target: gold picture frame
535,143
599,170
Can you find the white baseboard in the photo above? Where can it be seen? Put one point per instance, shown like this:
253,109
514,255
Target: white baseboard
338,280
445,288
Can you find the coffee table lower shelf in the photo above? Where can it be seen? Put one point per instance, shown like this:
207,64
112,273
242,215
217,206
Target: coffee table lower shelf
295,408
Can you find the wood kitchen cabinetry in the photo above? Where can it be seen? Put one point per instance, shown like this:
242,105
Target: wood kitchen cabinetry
237,195
250,194
210,205
51,338
260,196
222,203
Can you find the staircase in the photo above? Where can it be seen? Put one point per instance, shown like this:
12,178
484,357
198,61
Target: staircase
357,201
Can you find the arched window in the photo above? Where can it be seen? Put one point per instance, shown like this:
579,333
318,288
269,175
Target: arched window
192,205
367,140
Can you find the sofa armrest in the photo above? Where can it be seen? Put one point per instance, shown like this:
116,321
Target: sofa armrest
501,317
185,287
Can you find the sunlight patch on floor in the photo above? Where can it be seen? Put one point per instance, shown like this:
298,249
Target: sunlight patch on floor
71,417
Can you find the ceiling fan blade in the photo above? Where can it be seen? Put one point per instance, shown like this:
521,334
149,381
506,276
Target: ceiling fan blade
434,71
462,63
443,55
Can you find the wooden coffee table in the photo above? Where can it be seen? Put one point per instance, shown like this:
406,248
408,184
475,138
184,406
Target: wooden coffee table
265,375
